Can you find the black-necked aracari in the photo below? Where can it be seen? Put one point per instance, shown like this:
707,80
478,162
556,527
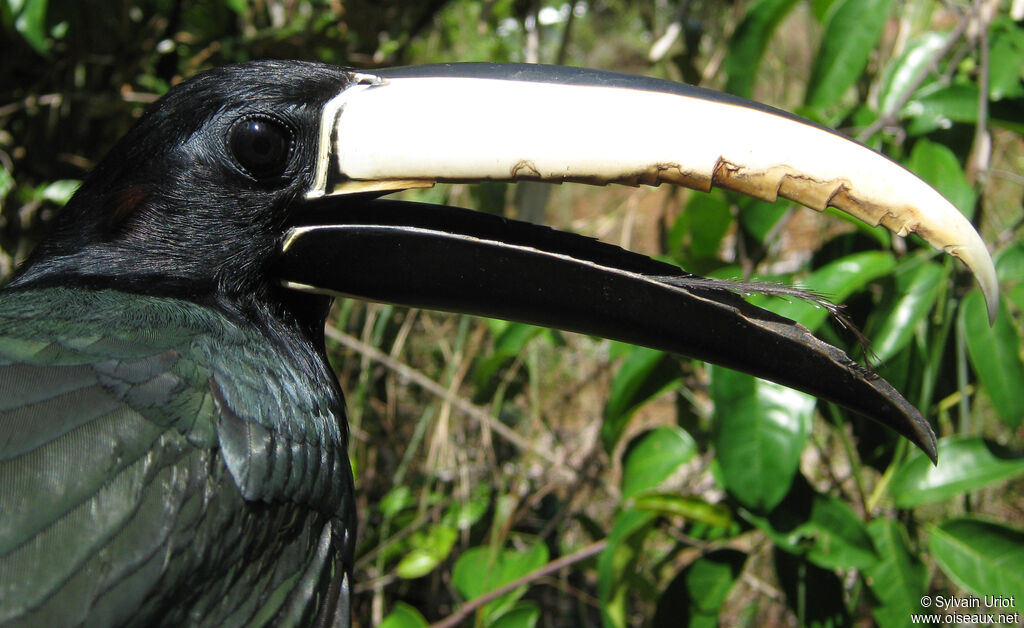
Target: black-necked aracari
172,439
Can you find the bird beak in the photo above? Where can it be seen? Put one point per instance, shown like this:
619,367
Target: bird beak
414,127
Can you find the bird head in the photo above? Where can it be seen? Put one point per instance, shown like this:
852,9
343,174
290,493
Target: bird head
195,197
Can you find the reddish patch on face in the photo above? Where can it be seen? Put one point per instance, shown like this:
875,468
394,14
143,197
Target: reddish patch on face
127,201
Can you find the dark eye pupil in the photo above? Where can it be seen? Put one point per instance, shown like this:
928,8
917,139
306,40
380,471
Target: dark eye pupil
261,146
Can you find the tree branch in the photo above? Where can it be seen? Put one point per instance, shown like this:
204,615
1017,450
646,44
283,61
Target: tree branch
434,388
471,606
890,117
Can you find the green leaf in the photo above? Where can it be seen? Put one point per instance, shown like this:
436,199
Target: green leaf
982,557
483,569
404,616
238,6
1010,264
707,218
508,343
522,615
835,281
852,30
901,72
748,44
464,513
644,374
821,9
693,508
58,192
758,217
6,182
1006,60
821,527
759,431
396,500
899,578
654,458
695,596
617,562
939,106
428,551
917,288
1016,296
30,23
939,166
965,464
995,355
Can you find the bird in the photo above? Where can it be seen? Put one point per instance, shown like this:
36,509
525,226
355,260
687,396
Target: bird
173,442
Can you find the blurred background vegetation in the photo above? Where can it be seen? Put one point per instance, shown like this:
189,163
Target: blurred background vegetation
513,476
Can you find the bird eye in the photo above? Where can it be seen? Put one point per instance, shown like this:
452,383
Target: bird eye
260,145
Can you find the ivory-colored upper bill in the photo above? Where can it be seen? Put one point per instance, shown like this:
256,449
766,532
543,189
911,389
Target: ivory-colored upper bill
391,133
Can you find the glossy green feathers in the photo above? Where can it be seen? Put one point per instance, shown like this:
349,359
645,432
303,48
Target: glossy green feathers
146,440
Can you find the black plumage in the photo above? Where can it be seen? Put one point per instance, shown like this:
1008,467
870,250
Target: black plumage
172,440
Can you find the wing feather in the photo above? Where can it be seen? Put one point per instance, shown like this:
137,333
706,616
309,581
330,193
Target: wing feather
121,503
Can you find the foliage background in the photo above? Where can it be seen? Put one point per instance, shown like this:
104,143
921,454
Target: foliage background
619,484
